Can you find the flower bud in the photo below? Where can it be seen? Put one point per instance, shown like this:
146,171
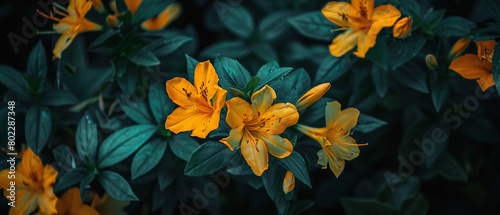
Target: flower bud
431,62
459,47
402,28
161,21
112,21
312,96
289,182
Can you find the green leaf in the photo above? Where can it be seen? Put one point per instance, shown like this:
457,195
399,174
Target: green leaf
148,9
404,51
314,25
332,68
59,98
123,143
38,125
265,51
191,65
439,93
116,186
239,21
433,18
231,73
274,25
416,206
496,66
368,124
86,139
232,49
160,103
295,84
128,80
102,38
455,26
37,63
315,112
412,76
147,157
183,146
357,206
493,8
451,169
71,178
64,156
84,189
296,164
434,143
143,58
300,207
14,81
166,45
210,157
271,74
136,110
379,53
167,173
273,182
379,76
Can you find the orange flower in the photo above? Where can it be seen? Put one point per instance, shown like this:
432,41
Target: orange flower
33,182
431,62
160,21
98,5
361,22
256,128
288,182
459,47
313,95
402,28
71,203
200,105
335,138
478,66
73,23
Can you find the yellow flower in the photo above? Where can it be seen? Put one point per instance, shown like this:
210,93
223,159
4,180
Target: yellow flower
313,95
71,204
256,128
459,47
72,23
159,21
478,66
108,205
335,138
402,28
200,105
34,183
431,62
288,182
98,5
361,22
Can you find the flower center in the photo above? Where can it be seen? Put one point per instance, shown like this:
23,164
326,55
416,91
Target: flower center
487,59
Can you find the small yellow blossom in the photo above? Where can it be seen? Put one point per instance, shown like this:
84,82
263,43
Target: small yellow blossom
313,95
288,182
459,47
402,28
431,62
256,128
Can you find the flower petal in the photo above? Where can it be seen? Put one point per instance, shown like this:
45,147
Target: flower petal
235,137
63,42
280,116
255,153
365,42
343,151
288,182
237,111
343,43
347,119
365,7
189,119
486,82
313,95
32,165
336,165
205,79
262,100
340,13
49,177
133,5
383,16
459,47
314,133
47,203
402,28
469,66
485,47
181,92
322,158
163,19
26,202
332,112
277,146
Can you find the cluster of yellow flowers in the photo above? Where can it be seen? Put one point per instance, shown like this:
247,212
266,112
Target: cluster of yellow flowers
34,184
